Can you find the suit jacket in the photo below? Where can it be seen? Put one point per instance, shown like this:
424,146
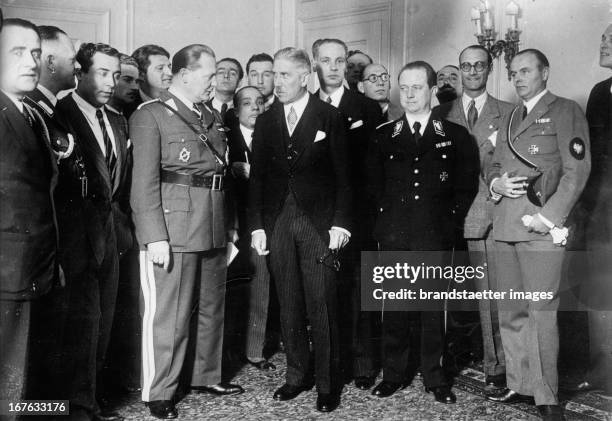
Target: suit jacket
553,135
110,213
315,169
239,152
597,195
28,228
423,190
479,219
190,218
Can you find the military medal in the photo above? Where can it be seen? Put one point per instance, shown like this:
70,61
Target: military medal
438,128
443,176
398,128
533,149
184,155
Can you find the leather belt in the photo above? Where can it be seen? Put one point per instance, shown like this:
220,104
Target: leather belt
214,182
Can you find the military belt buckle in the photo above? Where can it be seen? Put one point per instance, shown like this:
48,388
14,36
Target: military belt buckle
217,182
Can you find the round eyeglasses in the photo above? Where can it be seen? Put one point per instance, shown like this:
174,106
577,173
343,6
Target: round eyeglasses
480,66
374,77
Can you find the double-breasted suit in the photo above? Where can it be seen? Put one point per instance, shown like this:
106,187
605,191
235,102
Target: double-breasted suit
479,220
300,188
109,234
28,235
423,190
178,196
553,136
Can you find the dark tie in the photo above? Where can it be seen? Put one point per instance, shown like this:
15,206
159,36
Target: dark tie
223,110
328,100
417,131
197,111
524,115
472,114
111,159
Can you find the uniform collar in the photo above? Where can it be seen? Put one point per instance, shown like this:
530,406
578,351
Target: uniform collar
189,104
423,119
533,101
48,94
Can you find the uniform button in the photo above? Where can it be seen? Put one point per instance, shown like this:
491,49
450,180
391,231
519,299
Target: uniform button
380,210
416,159
444,156
182,140
390,156
416,170
416,184
166,211
417,197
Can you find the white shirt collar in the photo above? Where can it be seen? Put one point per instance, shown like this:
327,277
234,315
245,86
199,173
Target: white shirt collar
85,106
479,102
269,102
89,111
113,109
335,96
181,97
533,101
218,104
48,94
247,134
16,100
298,105
423,119
385,107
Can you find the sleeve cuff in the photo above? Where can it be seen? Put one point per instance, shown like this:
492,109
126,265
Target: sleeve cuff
546,221
341,230
258,231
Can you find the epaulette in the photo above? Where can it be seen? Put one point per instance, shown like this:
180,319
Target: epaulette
384,124
148,102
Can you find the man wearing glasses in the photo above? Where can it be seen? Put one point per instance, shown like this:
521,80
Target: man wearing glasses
376,85
481,114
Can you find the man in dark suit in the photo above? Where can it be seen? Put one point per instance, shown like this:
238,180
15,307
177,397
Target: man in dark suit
259,74
155,74
550,133
356,62
376,85
102,136
361,115
481,114
249,104
449,83
299,202
423,170
229,75
596,201
28,230
182,226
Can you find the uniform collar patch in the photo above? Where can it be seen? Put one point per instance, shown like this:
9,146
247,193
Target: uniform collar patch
438,128
172,104
398,128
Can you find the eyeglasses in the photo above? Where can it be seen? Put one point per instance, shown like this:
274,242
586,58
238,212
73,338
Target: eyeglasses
330,259
374,77
466,67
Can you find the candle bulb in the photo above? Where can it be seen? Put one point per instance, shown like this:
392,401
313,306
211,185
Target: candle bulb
512,10
476,20
487,23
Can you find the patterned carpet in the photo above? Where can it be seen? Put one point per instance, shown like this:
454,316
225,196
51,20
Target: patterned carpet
411,403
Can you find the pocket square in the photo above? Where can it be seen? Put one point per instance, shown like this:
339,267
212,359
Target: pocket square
493,137
320,136
356,124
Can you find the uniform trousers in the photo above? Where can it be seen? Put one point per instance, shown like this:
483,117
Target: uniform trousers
194,284
306,289
481,254
529,329
259,303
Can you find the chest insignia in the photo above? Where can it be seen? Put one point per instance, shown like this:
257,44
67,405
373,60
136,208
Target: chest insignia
533,149
542,120
437,124
184,155
443,144
443,176
398,128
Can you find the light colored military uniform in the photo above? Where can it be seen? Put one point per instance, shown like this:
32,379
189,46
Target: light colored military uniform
176,197
553,134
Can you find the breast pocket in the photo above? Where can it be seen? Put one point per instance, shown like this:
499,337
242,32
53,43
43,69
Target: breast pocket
182,148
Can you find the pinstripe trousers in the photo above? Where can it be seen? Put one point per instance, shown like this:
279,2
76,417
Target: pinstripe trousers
306,291
259,303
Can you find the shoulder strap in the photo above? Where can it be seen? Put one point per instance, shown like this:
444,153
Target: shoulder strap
220,158
513,149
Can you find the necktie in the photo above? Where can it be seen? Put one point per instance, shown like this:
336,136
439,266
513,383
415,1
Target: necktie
417,131
328,100
472,114
111,159
223,110
291,119
524,115
198,112
28,116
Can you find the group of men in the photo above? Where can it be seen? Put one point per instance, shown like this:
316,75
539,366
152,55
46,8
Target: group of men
302,183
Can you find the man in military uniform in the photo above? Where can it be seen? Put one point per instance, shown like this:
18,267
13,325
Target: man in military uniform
481,114
550,133
423,170
182,227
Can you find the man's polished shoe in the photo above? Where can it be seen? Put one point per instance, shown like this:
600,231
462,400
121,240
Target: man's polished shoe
164,410
510,396
107,416
551,412
263,365
386,389
584,386
496,381
288,391
220,389
327,402
443,394
364,382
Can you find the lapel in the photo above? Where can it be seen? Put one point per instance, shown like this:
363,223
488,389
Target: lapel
607,103
538,111
16,120
118,128
456,114
306,129
490,112
87,139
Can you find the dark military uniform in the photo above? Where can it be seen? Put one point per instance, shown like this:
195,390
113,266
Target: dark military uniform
553,135
177,196
424,189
